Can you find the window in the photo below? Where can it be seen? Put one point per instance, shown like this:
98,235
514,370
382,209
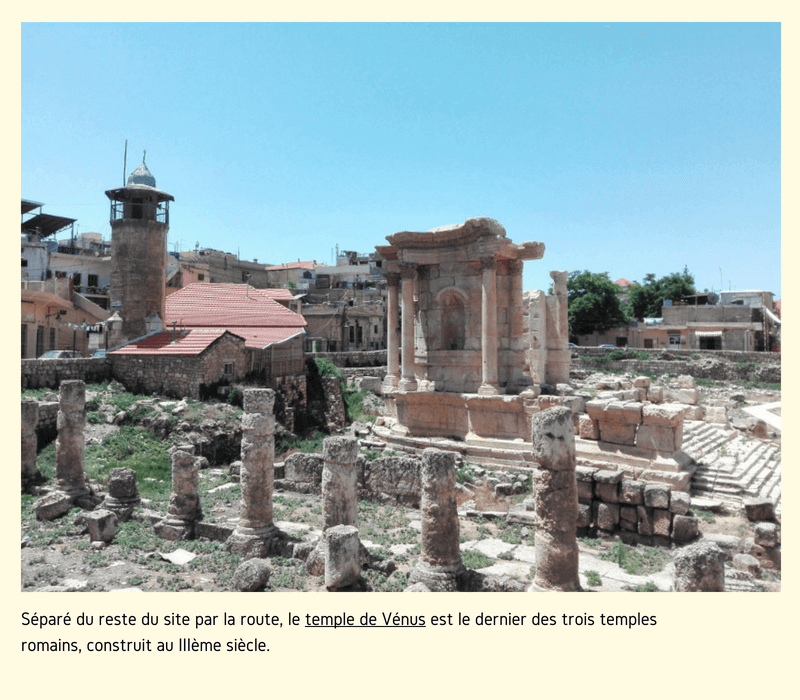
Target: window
24,341
674,341
76,279
136,209
201,278
92,280
228,371
39,340
24,262
52,339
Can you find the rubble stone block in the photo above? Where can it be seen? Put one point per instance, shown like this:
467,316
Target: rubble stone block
607,492
609,476
101,524
745,562
656,495
700,567
715,414
679,502
585,473
631,492
766,534
641,382
618,433
304,468
607,515
757,509
685,528
587,427
656,437
655,394
251,575
662,522
686,381
52,506
342,567
585,491
584,515
628,513
667,415
687,396
645,521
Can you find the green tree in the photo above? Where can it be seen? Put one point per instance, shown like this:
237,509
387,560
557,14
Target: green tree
593,303
647,298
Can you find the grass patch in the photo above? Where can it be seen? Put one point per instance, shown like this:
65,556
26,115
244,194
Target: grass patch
593,579
706,515
648,587
638,561
475,560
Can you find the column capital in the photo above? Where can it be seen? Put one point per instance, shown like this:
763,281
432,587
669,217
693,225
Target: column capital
488,262
408,270
393,279
514,267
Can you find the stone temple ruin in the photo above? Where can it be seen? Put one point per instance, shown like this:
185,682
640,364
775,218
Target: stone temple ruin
477,358
479,370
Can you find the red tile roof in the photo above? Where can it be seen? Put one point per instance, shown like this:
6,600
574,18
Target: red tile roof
184,343
248,312
622,282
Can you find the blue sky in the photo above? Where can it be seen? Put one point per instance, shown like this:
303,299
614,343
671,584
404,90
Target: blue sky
625,148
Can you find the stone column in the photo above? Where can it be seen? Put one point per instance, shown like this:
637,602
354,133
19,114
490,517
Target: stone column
489,387
70,445
440,562
558,354
30,472
342,552
393,347
556,499
123,495
409,380
339,482
255,531
184,502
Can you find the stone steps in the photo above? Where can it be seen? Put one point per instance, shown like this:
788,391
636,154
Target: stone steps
732,465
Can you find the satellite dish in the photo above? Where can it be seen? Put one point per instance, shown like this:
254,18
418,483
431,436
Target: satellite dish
713,298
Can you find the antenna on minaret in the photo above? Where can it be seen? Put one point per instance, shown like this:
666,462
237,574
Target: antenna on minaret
125,163
144,155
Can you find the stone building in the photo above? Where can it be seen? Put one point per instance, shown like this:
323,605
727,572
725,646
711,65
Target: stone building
191,363
464,364
139,226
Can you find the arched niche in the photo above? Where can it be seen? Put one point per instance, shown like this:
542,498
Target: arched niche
453,326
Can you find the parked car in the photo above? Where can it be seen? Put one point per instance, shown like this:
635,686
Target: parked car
99,353
60,355
608,347
572,345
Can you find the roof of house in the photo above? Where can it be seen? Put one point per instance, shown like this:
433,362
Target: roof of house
251,313
622,282
181,343
299,265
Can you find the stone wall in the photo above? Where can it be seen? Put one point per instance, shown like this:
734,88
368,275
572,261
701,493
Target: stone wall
393,480
48,374
639,512
365,358
732,355
704,369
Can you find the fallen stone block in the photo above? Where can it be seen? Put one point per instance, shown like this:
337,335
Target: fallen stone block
342,568
101,524
252,575
759,509
685,528
766,534
700,567
52,506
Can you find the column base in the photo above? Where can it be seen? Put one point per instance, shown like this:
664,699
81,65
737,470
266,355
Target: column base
406,384
253,543
390,382
486,389
439,579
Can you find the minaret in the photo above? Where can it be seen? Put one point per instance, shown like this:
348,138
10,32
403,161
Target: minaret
139,226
